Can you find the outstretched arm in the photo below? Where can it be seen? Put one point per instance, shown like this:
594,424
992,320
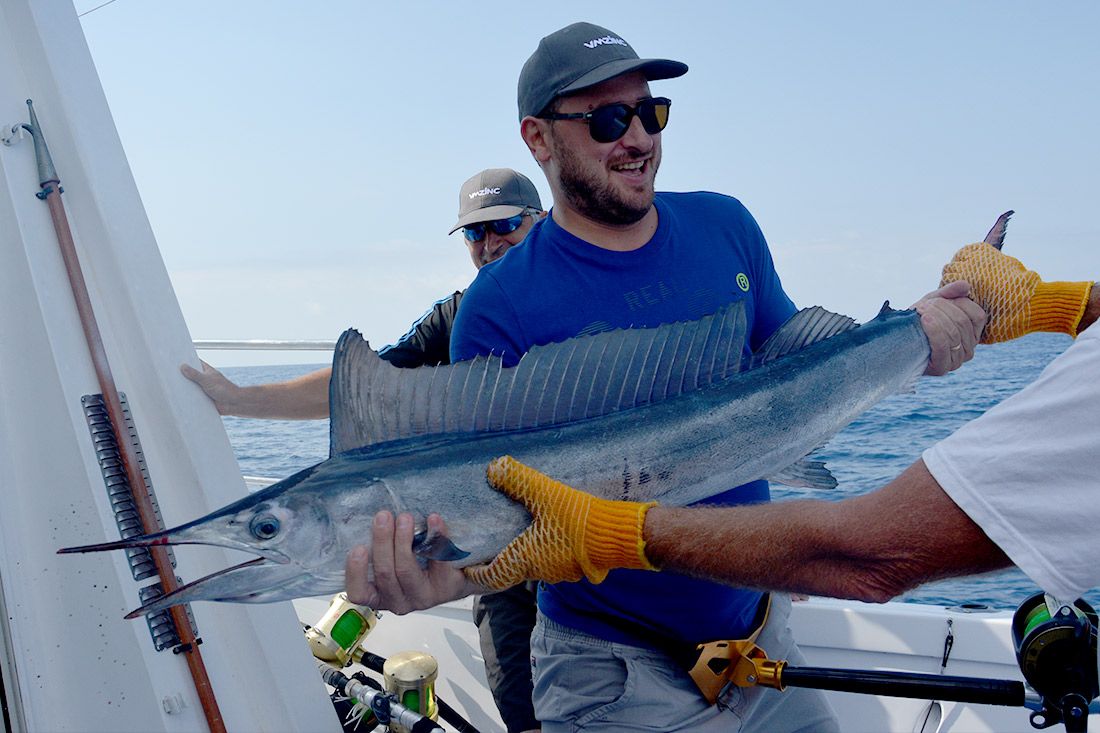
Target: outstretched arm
871,547
304,398
1092,309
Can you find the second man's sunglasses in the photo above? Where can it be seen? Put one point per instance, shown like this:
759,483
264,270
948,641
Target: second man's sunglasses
476,232
609,123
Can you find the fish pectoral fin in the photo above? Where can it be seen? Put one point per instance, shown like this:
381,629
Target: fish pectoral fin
807,474
434,546
910,386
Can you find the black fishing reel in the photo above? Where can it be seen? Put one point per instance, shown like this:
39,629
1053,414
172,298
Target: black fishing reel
1056,649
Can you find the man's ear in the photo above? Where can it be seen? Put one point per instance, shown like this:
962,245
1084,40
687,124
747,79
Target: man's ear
535,133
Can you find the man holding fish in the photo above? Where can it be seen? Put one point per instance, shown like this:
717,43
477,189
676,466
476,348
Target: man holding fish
615,254
1017,485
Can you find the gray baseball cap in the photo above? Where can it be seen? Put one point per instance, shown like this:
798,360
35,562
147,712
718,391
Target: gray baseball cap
580,56
496,193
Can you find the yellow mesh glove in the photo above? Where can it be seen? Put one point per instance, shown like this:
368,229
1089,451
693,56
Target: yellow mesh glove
1017,300
573,534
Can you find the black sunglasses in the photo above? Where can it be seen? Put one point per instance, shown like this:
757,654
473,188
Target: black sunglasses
502,227
609,123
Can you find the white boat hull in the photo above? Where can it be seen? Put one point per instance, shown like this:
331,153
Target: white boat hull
69,661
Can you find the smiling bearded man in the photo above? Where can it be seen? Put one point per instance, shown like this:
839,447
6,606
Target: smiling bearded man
612,254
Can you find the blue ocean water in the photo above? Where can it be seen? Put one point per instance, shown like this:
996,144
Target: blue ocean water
867,454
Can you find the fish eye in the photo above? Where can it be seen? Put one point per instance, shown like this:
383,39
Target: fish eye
264,527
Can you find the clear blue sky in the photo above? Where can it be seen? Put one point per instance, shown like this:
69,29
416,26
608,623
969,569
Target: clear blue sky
300,162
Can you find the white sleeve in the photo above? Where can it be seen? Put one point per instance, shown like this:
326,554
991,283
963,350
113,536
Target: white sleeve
1028,472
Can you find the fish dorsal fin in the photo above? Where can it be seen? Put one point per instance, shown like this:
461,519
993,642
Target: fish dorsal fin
806,327
371,401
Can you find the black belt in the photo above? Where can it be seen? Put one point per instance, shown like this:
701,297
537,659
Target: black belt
707,663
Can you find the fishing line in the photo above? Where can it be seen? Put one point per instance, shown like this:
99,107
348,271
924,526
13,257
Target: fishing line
97,7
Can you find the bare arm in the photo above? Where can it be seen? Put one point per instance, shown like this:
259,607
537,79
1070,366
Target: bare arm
870,547
304,398
1092,310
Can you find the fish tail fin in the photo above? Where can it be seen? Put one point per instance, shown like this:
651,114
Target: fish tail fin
996,235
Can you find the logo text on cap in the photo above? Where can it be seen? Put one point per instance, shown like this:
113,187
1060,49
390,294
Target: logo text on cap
604,41
485,192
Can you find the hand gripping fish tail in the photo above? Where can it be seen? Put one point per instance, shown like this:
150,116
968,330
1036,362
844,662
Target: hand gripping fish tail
1017,300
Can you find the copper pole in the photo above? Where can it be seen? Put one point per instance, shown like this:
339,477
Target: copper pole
51,194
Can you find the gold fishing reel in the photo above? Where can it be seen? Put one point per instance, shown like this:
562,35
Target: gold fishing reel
336,637
409,677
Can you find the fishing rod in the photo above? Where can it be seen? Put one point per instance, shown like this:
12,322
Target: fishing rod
449,714
383,706
50,184
1056,648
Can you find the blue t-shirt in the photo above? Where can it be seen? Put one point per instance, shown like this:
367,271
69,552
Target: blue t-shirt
707,251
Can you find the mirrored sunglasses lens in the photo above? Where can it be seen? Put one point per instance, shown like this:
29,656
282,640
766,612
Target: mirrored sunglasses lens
506,226
474,232
610,123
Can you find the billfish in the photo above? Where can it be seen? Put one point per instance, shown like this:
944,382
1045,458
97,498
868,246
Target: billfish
665,413
676,414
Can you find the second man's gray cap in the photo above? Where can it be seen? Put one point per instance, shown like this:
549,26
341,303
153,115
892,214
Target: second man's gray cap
496,193
580,56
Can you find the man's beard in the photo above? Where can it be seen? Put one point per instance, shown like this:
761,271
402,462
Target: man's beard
594,199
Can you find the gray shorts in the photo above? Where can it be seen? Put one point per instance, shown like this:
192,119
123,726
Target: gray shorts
584,683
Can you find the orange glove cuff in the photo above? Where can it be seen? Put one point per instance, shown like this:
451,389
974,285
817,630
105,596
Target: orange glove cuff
1058,306
614,539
